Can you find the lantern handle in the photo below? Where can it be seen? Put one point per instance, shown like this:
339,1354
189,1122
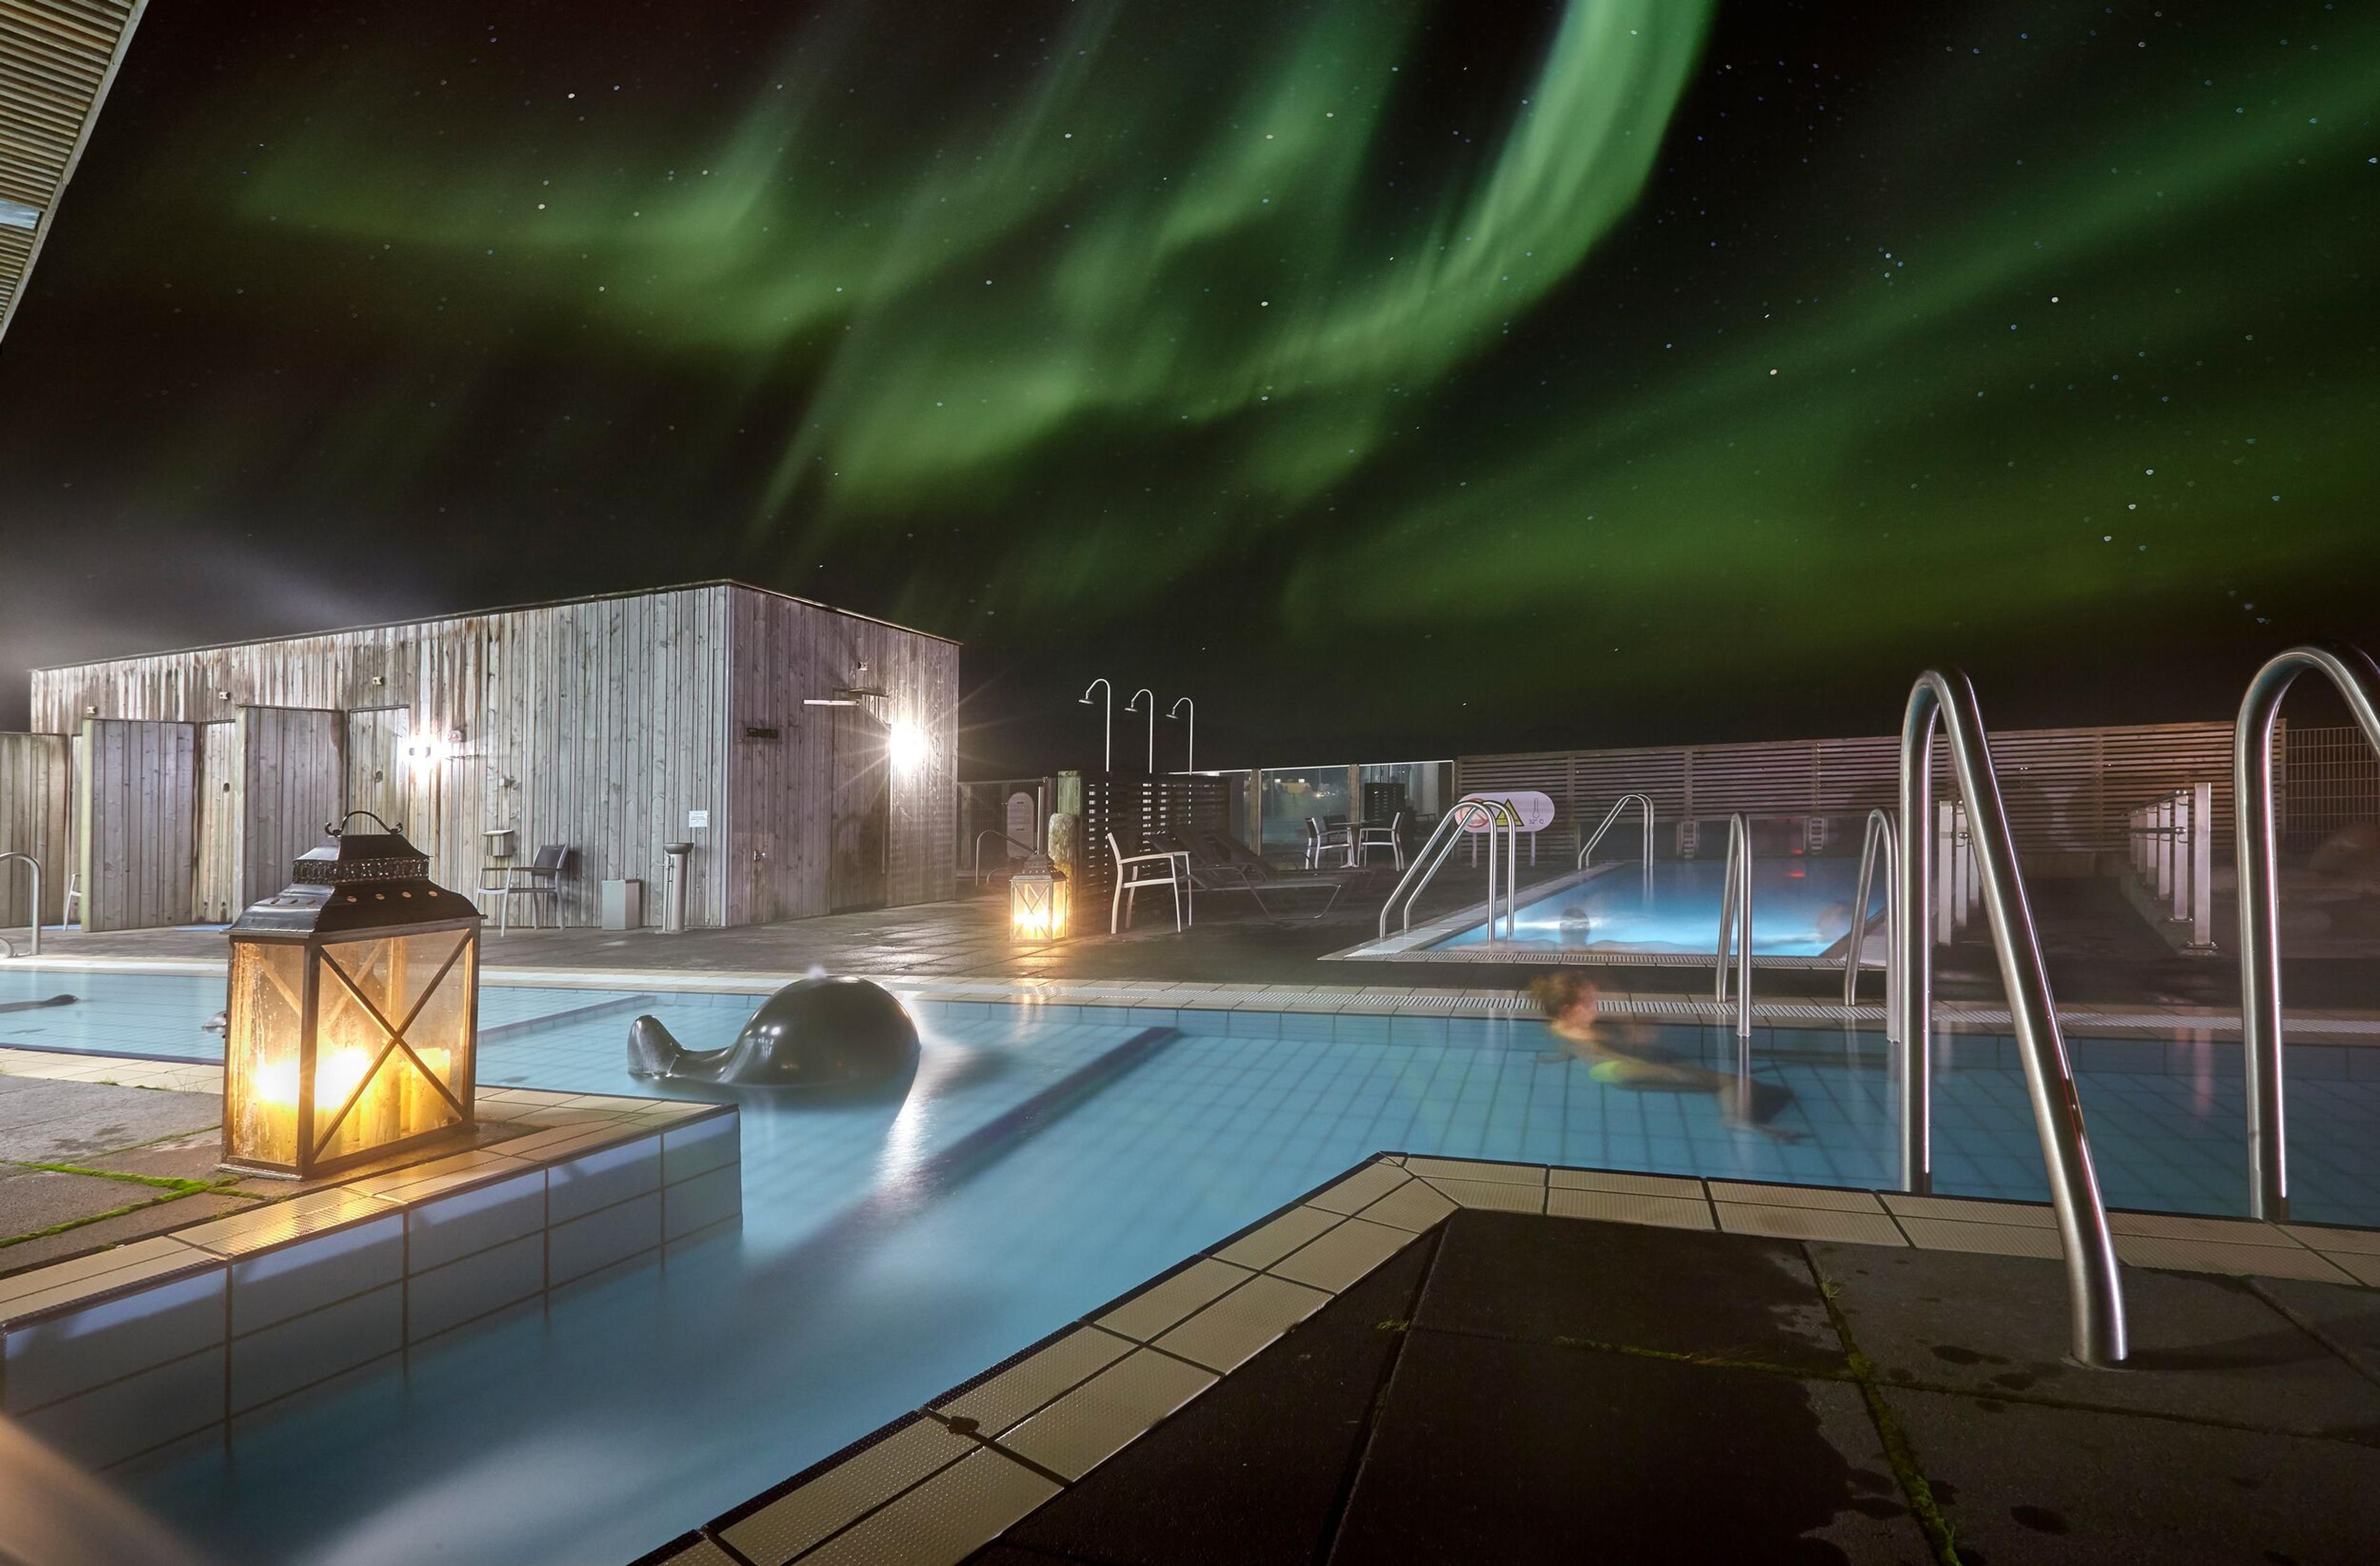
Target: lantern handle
339,827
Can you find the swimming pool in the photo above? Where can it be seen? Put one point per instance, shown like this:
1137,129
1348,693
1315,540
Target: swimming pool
871,1272
1801,917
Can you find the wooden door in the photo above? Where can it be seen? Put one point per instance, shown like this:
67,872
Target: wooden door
217,899
375,762
860,816
291,786
136,811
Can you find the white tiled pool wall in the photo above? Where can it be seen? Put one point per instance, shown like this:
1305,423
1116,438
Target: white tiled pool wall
184,1335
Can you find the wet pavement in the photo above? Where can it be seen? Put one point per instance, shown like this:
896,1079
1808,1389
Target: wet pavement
1518,1387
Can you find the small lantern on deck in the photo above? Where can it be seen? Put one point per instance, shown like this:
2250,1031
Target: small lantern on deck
353,1023
1036,901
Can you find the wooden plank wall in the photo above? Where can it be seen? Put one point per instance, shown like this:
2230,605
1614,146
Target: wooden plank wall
136,799
216,899
783,651
34,794
288,787
602,724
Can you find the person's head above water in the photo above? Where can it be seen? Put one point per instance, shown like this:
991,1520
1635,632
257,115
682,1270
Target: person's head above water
1565,995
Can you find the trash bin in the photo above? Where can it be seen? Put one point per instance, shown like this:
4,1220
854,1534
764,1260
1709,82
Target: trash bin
673,898
624,904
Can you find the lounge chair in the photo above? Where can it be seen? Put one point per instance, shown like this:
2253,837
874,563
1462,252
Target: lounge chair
1214,863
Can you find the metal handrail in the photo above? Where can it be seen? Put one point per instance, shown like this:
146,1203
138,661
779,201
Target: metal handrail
35,865
995,831
2351,670
1442,838
1645,804
1877,840
1946,698
1734,910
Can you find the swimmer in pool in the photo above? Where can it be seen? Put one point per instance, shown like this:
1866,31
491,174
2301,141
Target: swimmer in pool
1627,1057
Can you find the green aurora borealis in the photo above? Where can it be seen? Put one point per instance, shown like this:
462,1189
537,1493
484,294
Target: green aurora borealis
1382,376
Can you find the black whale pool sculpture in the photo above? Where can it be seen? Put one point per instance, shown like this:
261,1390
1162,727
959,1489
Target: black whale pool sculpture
826,1033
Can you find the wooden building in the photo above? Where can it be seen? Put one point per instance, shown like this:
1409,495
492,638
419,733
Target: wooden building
808,755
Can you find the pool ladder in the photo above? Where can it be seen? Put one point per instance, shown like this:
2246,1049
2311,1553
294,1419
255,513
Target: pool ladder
1495,816
8,948
1644,801
1876,842
1945,698
2351,670
1736,920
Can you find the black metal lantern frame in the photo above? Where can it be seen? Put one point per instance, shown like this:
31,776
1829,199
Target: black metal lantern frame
352,1028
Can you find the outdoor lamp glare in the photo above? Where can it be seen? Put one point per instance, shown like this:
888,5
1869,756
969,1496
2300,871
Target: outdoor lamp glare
905,742
353,1023
1036,901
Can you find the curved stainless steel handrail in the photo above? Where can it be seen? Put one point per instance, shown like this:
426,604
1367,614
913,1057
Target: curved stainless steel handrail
1442,838
2095,1291
35,865
1876,840
1734,908
1645,804
995,831
2358,679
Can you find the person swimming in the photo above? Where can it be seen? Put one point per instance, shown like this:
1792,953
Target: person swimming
1628,1057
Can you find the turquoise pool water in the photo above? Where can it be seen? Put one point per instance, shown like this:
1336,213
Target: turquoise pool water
869,1273
1801,907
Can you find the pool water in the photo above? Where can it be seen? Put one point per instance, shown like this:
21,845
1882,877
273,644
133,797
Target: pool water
1801,907
872,1269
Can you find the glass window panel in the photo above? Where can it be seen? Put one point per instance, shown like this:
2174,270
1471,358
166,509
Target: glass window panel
260,1051
1290,795
391,973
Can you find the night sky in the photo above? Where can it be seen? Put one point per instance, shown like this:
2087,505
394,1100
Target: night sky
1396,379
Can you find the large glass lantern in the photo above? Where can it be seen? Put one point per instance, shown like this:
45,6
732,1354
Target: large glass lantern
1036,901
354,1016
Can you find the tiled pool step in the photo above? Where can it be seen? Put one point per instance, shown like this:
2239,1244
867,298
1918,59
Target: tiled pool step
943,1482
181,1336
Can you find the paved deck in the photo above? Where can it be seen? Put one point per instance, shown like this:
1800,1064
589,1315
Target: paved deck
2093,961
1440,1360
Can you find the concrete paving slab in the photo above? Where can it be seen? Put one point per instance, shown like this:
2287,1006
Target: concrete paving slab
46,1120
2348,1319
120,1229
2202,1346
33,1200
195,1156
1493,1450
2020,1482
1581,1279
1252,1471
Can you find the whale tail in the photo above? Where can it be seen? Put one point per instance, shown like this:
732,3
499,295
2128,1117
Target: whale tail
652,1052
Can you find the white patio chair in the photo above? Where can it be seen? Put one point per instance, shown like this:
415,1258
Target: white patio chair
1134,874
1321,840
1390,837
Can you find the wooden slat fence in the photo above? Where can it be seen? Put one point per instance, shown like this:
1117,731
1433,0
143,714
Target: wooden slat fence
34,797
2068,791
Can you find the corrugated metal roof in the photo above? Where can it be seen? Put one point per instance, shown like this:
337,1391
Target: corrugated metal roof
57,59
